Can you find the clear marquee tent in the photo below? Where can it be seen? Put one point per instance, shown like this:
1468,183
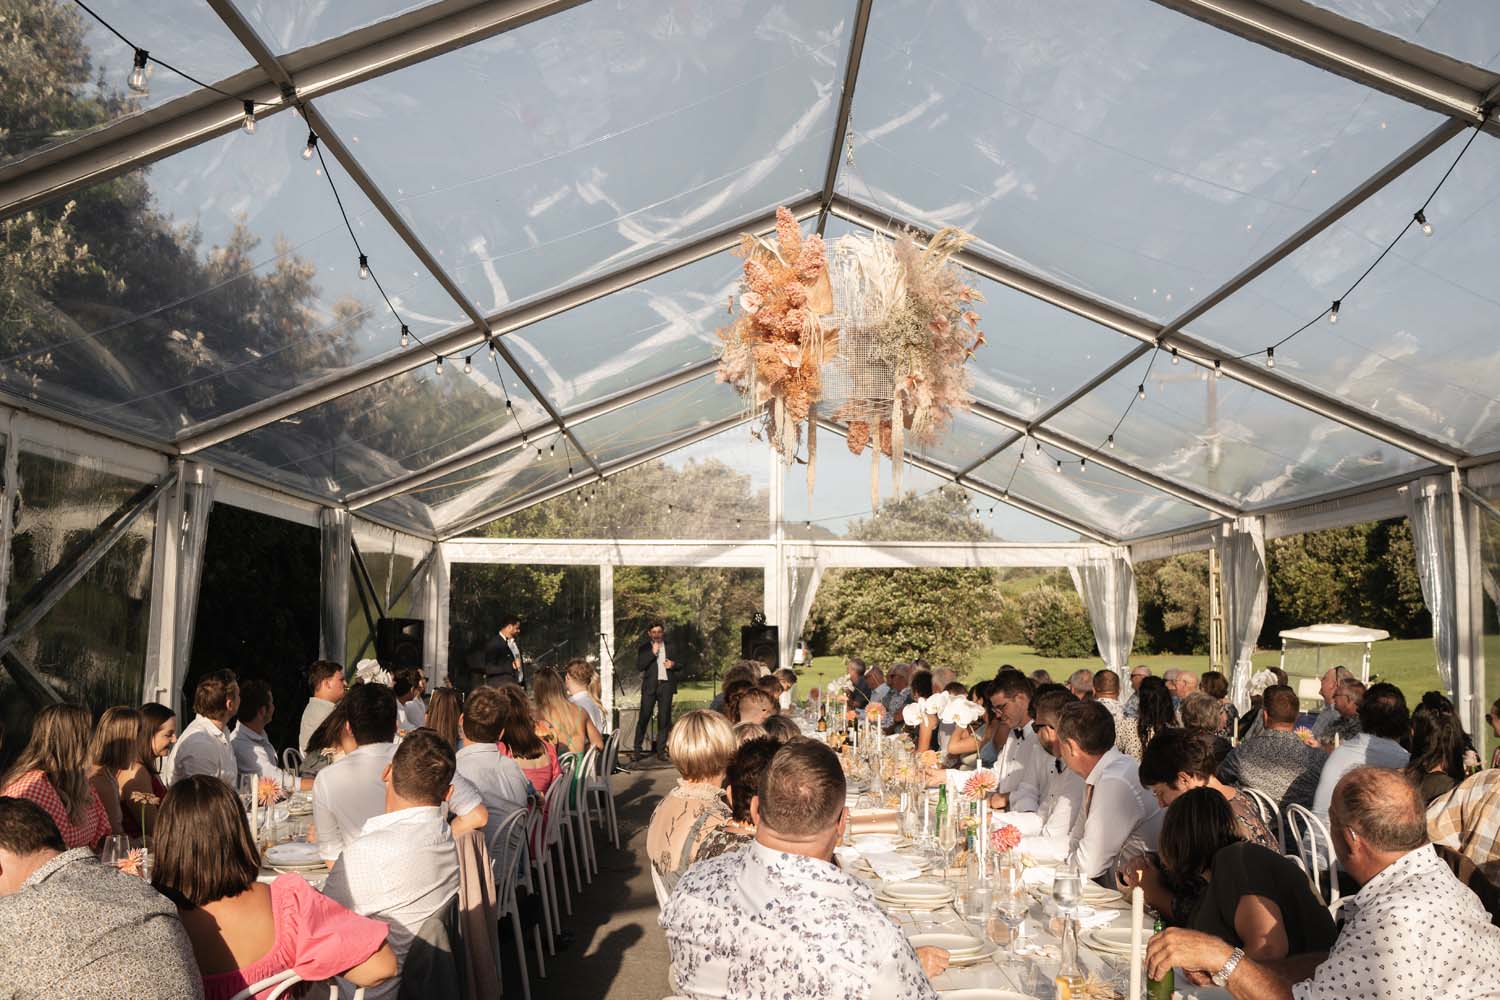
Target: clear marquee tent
1160,189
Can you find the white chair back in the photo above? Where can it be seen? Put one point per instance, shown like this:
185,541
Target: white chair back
281,982
662,895
1314,851
555,809
610,756
291,760
1269,812
505,848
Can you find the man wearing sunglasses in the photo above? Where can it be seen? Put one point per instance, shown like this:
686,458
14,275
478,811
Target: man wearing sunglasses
1045,832
1022,760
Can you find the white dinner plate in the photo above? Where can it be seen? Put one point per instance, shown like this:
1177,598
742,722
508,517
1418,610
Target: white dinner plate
973,957
293,855
878,841
953,944
1114,940
984,994
917,890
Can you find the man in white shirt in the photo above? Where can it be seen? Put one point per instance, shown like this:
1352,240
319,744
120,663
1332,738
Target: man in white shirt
1022,760
1328,686
410,683
348,792
253,752
1412,930
402,867
326,679
1119,818
1384,720
778,919
577,677
502,656
203,747
500,781
658,681
1046,833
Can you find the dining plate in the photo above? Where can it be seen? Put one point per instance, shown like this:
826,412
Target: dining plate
972,957
293,855
984,994
953,944
878,841
1115,940
921,890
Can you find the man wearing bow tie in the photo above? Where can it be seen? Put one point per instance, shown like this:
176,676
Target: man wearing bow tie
1022,758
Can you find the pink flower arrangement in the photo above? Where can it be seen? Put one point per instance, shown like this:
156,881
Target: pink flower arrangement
1005,838
814,695
980,785
874,710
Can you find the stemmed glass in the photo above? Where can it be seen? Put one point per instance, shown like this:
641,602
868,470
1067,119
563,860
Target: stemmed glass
947,842
1067,890
1012,902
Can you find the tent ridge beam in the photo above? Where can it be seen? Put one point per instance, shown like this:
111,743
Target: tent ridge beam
473,456
1181,491
469,335
607,470
1401,69
1107,315
322,68
846,107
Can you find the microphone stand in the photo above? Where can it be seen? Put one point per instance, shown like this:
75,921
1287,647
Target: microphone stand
604,651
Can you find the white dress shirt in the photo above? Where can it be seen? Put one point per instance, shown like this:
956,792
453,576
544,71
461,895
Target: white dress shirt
416,712
501,783
586,701
314,715
759,924
253,753
1117,819
350,792
1047,833
401,868
1357,751
661,662
1021,765
203,748
515,655
1414,930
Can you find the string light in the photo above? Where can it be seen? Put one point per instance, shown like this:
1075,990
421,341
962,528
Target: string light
1059,465
1333,313
311,147
141,72
1140,391
1083,463
1174,355
1218,368
539,454
1111,442
364,267
1421,220
492,348
440,364
1270,357
405,335
248,123
552,448
469,365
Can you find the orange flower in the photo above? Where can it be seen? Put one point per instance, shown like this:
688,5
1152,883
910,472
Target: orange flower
851,715
875,710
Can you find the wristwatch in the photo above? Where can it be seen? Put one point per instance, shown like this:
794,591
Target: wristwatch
1221,978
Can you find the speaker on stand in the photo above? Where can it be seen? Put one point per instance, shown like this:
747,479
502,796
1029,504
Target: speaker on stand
761,642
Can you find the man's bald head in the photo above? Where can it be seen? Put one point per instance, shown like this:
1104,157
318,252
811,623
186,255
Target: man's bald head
1382,807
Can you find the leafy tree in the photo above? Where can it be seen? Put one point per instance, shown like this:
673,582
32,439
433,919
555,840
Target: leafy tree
1173,614
1054,623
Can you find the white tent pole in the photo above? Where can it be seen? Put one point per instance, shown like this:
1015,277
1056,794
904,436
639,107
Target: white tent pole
607,640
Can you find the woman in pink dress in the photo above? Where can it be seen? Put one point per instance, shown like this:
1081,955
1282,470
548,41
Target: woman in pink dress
242,931
521,739
53,772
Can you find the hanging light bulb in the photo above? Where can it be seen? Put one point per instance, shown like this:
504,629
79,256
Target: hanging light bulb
1005,494
1140,391
440,364
469,365
1083,463
570,472
141,71
1270,357
492,348
552,448
1174,355
1038,445
1218,369
364,267
248,123
311,147
1333,314
1059,465
1421,218
1111,442
1023,454
539,454
405,335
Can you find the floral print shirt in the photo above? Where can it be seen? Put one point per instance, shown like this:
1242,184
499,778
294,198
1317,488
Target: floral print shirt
760,924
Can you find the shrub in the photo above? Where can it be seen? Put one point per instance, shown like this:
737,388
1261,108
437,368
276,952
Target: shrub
1054,623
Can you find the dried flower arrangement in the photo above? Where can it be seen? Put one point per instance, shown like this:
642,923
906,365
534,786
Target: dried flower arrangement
775,349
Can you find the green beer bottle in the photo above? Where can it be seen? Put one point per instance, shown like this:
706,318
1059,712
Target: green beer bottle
1161,989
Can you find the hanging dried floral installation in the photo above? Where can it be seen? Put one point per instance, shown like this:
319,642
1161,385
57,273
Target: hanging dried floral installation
908,327
775,349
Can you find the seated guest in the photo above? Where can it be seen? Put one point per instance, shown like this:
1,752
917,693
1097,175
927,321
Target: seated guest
574,729
1046,833
403,866
1081,683
1383,721
125,748
1275,760
1216,686
859,690
1251,896
578,675
500,781
329,742
253,752
782,729
1412,930
408,685
778,919
750,704
444,713
73,928
1022,757
1184,684
1438,747
1346,701
1466,821
1107,693
519,741
326,679
742,778
116,739
688,822
1133,704
241,930
879,689
52,771
744,732
898,679
985,738
1201,712
788,679
1155,711
204,747
1328,687
742,673
919,690
1182,759
1119,818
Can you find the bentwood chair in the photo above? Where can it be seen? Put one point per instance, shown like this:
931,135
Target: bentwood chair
1314,851
563,837
579,803
537,867
598,784
280,983
507,848
291,760
1270,813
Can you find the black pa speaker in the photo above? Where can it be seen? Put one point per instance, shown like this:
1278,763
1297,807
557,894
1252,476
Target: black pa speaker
398,641
760,642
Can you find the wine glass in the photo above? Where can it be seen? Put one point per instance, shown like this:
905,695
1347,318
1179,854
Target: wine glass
1012,903
1067,890
115,851
947,842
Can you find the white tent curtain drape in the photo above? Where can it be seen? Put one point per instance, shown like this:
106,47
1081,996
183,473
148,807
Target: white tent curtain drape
336,528
197,502
1430,508
1241,548
804,581
1106,584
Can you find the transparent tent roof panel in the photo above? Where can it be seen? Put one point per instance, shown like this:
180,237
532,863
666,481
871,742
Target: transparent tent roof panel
1416,340
566,161
288,25
207,281
1466,30
1120,148
656,421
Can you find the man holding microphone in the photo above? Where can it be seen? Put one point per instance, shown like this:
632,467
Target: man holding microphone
656,688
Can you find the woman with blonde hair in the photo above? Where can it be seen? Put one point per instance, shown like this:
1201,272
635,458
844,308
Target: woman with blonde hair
443,713
574,729
52,771
689,822
120,773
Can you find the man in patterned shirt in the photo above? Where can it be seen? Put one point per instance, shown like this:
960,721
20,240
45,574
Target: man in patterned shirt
1412,930
74,928
1275,760
778,919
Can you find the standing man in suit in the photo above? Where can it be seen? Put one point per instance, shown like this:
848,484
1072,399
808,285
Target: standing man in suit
502,657
657,682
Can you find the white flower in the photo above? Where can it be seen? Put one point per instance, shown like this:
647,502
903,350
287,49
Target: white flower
962,712
913,712
371,672
938,703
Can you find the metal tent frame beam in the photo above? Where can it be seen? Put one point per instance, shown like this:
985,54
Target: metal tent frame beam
1266,379
607,470
469,336
470,457
846,107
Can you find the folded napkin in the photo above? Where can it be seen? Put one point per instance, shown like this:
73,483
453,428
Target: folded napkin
874,821
1088,918
892,867
1041,875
